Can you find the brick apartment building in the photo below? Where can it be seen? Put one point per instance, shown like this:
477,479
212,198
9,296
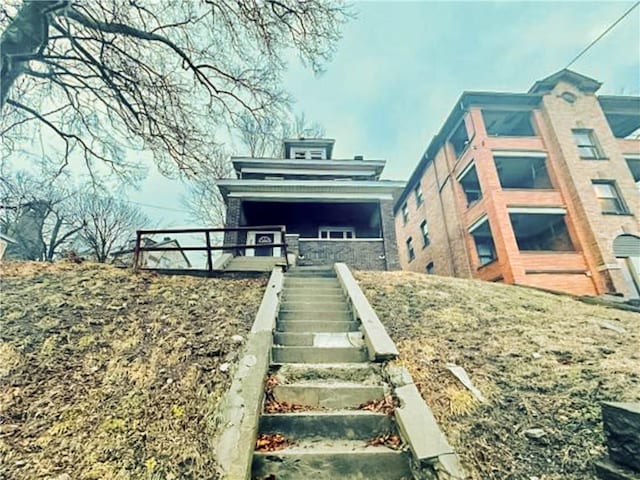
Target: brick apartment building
539,188
334,210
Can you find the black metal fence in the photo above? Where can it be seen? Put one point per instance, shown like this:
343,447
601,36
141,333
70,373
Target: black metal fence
139,249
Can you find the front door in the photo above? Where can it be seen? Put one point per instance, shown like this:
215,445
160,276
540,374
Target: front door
262,238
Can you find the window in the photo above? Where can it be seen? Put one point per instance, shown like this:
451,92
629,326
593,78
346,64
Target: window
410,251
418,193
405,213
587,145
506,123
336,233
608,197
459,139
308,154
471,186
634,166
624,125
483,239
541,232
424,229
430,268
522,172
316,154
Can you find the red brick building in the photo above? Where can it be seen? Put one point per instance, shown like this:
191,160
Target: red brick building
539,188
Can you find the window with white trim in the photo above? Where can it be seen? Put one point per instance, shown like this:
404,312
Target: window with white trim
587,144
608,196
424,229
336,233
483,239
418,193
471,186
405,213
410,252
308,153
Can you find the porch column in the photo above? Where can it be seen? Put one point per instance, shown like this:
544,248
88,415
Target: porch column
234,209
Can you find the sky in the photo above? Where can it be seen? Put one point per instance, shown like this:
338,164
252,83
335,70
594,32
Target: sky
401,66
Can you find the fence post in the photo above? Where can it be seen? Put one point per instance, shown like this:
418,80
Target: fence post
136,252
209,260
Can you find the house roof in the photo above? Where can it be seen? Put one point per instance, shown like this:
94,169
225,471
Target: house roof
582,82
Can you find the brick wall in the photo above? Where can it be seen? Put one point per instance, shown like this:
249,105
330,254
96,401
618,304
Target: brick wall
597,230
359,254
592,268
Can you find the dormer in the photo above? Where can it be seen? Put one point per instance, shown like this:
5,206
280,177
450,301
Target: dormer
308,148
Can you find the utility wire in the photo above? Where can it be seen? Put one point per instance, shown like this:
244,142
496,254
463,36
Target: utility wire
157,206
611,27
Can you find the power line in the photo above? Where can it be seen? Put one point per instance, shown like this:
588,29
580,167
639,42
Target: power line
157,206
611,27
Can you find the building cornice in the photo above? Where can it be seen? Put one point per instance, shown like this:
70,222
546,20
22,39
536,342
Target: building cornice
292,189
275,164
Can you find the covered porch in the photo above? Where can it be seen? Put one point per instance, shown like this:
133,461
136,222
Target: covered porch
318,232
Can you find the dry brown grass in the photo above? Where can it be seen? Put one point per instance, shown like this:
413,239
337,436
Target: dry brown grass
542,361
105,374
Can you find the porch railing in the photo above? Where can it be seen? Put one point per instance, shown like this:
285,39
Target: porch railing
139,249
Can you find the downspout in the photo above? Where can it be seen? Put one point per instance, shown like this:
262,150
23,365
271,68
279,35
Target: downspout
444,218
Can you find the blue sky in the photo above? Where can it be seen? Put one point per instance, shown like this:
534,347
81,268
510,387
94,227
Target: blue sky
401,66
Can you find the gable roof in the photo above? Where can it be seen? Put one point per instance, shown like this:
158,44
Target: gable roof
582,82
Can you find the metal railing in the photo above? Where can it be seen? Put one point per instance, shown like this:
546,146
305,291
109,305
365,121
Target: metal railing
139,249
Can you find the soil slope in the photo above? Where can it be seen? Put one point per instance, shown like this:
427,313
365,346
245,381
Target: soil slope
106,374
542,361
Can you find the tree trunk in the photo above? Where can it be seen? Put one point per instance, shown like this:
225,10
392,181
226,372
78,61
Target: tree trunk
23,38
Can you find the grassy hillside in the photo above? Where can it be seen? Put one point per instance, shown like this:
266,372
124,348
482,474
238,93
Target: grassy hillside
109,375
543,361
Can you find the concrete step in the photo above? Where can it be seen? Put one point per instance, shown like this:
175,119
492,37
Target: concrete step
280,354
346,459
313,290
296,273
342,424
362,373
313,297
319,339
316,305
328,394
317,326
317,314
309,282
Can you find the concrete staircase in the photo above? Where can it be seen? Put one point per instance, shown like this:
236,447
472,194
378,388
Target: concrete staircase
320,361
